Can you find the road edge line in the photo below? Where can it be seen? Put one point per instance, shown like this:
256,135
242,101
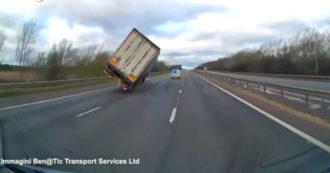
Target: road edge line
59,98
87,112
272,117
53,99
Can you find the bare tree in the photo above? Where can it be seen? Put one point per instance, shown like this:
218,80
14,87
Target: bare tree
41,60
2,41
89,53
25,42
65,51
61,56
312,45
85,55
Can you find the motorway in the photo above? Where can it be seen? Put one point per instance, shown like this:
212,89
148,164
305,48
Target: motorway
184,125
301,83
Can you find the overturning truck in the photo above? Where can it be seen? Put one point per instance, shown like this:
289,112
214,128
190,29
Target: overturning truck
133,60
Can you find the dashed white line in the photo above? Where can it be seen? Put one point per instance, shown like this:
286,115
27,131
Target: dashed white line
1,139
87,112
53,99
180,91
272,117
172,115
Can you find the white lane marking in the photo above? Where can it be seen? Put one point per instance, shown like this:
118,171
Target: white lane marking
150,78
53,99
1,141
172,115
180,91
87,112
272,117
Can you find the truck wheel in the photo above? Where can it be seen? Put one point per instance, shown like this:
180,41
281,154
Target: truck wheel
127,87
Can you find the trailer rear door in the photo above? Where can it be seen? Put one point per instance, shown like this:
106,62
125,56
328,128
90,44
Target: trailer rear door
135,53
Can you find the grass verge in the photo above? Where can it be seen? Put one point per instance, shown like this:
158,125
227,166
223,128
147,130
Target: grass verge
21,91
29,90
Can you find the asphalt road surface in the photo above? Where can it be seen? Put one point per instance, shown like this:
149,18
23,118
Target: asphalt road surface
183,125
301,83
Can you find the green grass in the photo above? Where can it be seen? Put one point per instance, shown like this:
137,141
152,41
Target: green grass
30,90
16,76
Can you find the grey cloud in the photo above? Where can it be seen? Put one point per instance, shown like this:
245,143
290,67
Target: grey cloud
115,17
234,38
10,21
288,26
189,63
204,36
323,22
205,52
193,60
175,54
118,17
231,42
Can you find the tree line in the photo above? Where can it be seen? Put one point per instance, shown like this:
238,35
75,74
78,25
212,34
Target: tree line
305,53
63,60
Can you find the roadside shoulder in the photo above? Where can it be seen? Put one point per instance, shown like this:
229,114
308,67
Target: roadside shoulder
314,126
28,98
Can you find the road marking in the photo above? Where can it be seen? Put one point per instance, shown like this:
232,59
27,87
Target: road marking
53,99
272,117
59,98
182,83
172,115
180,91
1,142
87,112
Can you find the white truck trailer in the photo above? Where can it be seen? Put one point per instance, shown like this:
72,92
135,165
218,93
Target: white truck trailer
133,60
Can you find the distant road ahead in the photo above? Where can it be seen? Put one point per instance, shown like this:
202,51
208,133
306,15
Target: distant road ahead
302,83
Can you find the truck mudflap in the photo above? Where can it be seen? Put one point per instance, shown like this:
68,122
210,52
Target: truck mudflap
114,72
126,83
127,87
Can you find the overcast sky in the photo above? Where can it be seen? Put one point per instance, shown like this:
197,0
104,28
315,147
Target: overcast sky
189,32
